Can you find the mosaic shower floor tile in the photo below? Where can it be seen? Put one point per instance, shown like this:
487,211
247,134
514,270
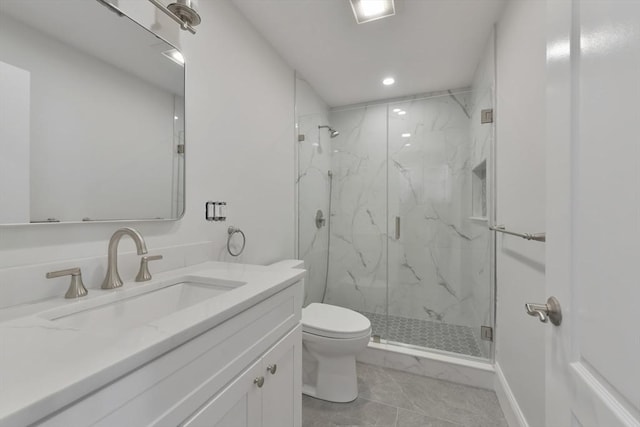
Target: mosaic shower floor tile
425,333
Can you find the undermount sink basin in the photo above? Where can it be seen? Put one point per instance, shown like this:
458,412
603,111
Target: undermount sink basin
142,308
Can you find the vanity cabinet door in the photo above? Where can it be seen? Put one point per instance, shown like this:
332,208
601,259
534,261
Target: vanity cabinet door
237,405
282,391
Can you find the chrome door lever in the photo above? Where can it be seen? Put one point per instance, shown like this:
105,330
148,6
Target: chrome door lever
549,311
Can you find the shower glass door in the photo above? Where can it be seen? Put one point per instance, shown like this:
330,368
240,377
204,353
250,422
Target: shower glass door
439,248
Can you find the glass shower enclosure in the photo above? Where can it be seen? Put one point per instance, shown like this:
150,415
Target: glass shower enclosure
393,214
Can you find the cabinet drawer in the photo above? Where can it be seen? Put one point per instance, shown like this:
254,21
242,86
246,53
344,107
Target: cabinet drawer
185,377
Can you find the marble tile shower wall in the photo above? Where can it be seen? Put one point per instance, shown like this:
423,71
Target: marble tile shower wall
358,253
314,160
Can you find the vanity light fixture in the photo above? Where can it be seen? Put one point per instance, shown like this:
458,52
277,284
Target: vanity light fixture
186,10
175,56
371,10
406,135
182,11
388,81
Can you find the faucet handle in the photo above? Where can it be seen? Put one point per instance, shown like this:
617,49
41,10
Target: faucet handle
144,274
76,287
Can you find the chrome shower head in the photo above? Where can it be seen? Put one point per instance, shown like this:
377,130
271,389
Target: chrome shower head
332,132
185,10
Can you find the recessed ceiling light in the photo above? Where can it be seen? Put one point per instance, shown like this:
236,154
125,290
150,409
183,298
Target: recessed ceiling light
388,81
406,135
402,113
175,117
397,110
174,55
370,10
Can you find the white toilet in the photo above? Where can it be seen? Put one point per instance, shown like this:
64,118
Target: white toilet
331,338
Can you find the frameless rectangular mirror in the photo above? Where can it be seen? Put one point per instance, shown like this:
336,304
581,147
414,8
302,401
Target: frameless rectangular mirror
91,116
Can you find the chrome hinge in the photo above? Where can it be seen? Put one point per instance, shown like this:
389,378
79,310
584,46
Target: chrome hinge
180,148
486,333
486,116
300,138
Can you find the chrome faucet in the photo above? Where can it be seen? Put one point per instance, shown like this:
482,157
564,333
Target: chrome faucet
112,279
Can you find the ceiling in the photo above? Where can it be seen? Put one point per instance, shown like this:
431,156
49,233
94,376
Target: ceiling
428,45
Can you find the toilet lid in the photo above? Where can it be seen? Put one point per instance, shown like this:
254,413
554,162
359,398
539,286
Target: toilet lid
334,322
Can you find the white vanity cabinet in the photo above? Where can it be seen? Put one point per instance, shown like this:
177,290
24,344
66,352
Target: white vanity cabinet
266,394
213,379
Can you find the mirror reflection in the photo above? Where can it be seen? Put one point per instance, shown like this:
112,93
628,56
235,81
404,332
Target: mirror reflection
91,116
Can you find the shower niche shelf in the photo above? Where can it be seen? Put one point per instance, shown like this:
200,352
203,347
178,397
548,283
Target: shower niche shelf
479,192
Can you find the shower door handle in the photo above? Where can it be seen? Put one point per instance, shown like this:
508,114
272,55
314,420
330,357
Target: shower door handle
397,228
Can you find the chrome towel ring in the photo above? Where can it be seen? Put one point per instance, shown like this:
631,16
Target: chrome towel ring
231,231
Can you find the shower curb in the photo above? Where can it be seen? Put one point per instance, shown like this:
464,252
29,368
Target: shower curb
475,373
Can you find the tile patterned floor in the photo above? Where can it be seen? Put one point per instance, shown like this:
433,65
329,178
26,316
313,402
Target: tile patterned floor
425,333
390,398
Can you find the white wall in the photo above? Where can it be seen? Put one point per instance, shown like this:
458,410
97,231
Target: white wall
239,134
520,124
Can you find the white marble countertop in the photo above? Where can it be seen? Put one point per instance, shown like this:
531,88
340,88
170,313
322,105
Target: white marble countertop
44,366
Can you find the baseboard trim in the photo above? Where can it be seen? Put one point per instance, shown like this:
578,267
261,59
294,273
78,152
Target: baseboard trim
508,402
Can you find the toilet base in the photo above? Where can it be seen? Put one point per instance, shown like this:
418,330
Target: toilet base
337,380
328,374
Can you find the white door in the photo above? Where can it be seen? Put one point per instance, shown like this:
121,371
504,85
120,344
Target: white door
593,218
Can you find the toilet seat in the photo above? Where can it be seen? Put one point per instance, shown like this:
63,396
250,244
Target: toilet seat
335,322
